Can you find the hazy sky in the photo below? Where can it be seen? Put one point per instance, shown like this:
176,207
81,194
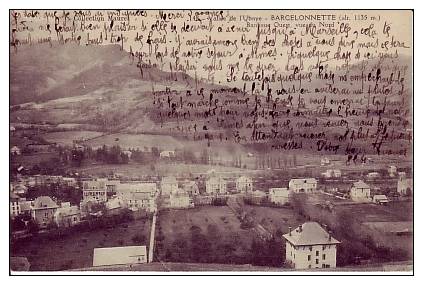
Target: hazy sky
234,34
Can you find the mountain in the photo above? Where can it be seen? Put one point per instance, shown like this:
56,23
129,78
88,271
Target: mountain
41,73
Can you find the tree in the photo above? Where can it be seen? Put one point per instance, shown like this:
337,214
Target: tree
204,158
155,152
299,204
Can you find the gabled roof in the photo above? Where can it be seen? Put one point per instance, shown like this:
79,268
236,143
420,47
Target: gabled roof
169,179
380,198
143,187
310,233
361,184
244,178
297,181
14,197
99,184
67,211
44,202
279,191
215,179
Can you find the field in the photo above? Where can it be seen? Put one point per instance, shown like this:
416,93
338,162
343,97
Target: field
37,158
176,224
274,219
67,137
394,211
76,250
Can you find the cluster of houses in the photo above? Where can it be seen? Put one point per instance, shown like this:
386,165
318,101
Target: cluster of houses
116,195
360,191
45,211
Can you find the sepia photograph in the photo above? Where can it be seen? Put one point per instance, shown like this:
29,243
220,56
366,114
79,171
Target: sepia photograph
277,142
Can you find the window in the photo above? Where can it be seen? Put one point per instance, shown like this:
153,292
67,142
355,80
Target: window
324,256
324,247
317,261
317,253
309,257
311,248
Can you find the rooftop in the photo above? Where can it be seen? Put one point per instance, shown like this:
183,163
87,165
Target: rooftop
302,180
118,255
44,202
310,233
361,184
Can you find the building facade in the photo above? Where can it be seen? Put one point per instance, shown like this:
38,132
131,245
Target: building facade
67,215
94,191
15,207
404,184
244,184
191,188
216,185
310,246
43,211
168,184
279,195
138,196
303,185
360,192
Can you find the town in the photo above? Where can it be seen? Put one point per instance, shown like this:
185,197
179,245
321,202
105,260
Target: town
334,219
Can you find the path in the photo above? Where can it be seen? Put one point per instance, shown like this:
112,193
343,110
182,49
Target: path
152,235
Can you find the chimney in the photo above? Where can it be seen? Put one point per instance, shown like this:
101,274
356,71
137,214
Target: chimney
330,236
300,228
290,231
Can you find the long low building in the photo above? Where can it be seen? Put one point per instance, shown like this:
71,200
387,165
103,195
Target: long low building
120,255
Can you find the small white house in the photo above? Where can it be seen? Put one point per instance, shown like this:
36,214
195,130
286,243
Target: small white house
168,184
15,151
310,246
216,185
15,207
360,192
373,175
404,184
303,185
191,188
244,184
120,255
167,154
279,195
94,191
324,161
67,215
392,170
138,196
332,173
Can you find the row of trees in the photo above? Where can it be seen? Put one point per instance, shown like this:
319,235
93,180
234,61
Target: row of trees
211,247
62,192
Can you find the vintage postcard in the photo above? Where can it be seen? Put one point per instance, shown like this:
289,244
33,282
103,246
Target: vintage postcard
274,141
